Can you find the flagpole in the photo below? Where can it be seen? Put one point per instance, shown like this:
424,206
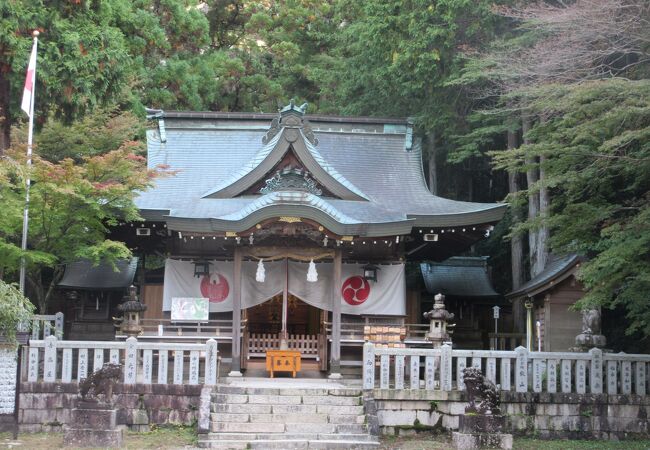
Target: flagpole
30,138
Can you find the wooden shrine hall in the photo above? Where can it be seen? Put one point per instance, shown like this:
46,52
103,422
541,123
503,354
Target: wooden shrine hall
291,232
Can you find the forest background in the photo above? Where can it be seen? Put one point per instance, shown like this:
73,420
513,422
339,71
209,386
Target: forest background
543,104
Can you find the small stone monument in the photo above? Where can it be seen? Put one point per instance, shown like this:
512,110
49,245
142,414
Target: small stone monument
482,424
439,317
94,420
590,336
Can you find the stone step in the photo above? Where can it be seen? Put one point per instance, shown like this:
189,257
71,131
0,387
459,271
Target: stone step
291,428
293,409
263,436
241,390
318,428
347,418
330,400
339,410
343,445
290,418
288,436
223,445
288,444
274,399
235,427
247,408
283,418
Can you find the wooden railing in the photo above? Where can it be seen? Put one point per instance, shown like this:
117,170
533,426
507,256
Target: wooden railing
143,362
442,369
166,329
44,325
306,344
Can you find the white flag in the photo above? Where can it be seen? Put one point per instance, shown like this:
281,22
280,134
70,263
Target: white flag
30,81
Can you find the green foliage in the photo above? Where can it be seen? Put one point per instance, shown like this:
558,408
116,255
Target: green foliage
72,202
596,143
14,310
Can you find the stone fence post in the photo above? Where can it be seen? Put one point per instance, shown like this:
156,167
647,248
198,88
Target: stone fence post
521,369
368,365
445,367
49,368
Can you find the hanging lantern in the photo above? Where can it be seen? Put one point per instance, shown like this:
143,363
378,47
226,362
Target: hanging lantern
370,272
260,275
201,268
312,274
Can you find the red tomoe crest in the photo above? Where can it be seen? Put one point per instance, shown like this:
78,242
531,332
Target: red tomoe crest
355,290
215,287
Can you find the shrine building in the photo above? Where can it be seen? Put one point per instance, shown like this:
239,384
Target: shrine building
290,231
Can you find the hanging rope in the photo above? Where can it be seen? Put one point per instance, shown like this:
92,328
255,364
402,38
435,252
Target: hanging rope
253,253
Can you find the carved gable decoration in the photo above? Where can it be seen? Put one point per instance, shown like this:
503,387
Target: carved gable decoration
291,116
291,179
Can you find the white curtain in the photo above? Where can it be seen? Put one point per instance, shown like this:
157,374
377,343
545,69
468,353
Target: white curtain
387,296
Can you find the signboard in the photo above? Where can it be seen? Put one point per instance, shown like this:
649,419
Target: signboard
190,309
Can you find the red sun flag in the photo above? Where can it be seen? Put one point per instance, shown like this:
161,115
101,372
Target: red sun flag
30,79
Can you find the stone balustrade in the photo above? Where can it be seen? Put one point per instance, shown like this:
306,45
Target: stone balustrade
65,361
594,372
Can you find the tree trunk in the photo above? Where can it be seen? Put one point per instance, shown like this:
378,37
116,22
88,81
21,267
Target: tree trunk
5,113
544,205
516,249
433,164
533,204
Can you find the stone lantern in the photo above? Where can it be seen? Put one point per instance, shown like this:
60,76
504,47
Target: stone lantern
131,309
591,331
439,317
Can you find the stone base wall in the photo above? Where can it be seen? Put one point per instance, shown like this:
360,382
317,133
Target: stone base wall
573,416
47,406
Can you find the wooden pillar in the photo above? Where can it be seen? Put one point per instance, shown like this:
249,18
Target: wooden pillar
235,366
335,358
285,303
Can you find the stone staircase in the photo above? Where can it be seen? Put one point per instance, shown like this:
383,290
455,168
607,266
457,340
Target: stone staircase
287,418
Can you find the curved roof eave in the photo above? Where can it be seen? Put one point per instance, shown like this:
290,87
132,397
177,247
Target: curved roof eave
550,274
205,225
488,215
271,154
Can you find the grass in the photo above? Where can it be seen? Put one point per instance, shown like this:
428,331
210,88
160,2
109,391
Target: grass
427,441
166,438
185,437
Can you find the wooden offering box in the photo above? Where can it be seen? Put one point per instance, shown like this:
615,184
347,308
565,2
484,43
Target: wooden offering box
283,361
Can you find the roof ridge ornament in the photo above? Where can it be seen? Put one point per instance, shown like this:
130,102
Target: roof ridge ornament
294,117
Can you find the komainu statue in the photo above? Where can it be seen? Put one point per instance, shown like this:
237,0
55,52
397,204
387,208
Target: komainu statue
100,382
481,390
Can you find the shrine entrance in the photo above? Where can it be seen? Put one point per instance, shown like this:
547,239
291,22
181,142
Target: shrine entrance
304,329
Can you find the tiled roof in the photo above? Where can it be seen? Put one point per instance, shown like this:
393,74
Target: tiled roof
83,275
365,157
458,276
557,268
